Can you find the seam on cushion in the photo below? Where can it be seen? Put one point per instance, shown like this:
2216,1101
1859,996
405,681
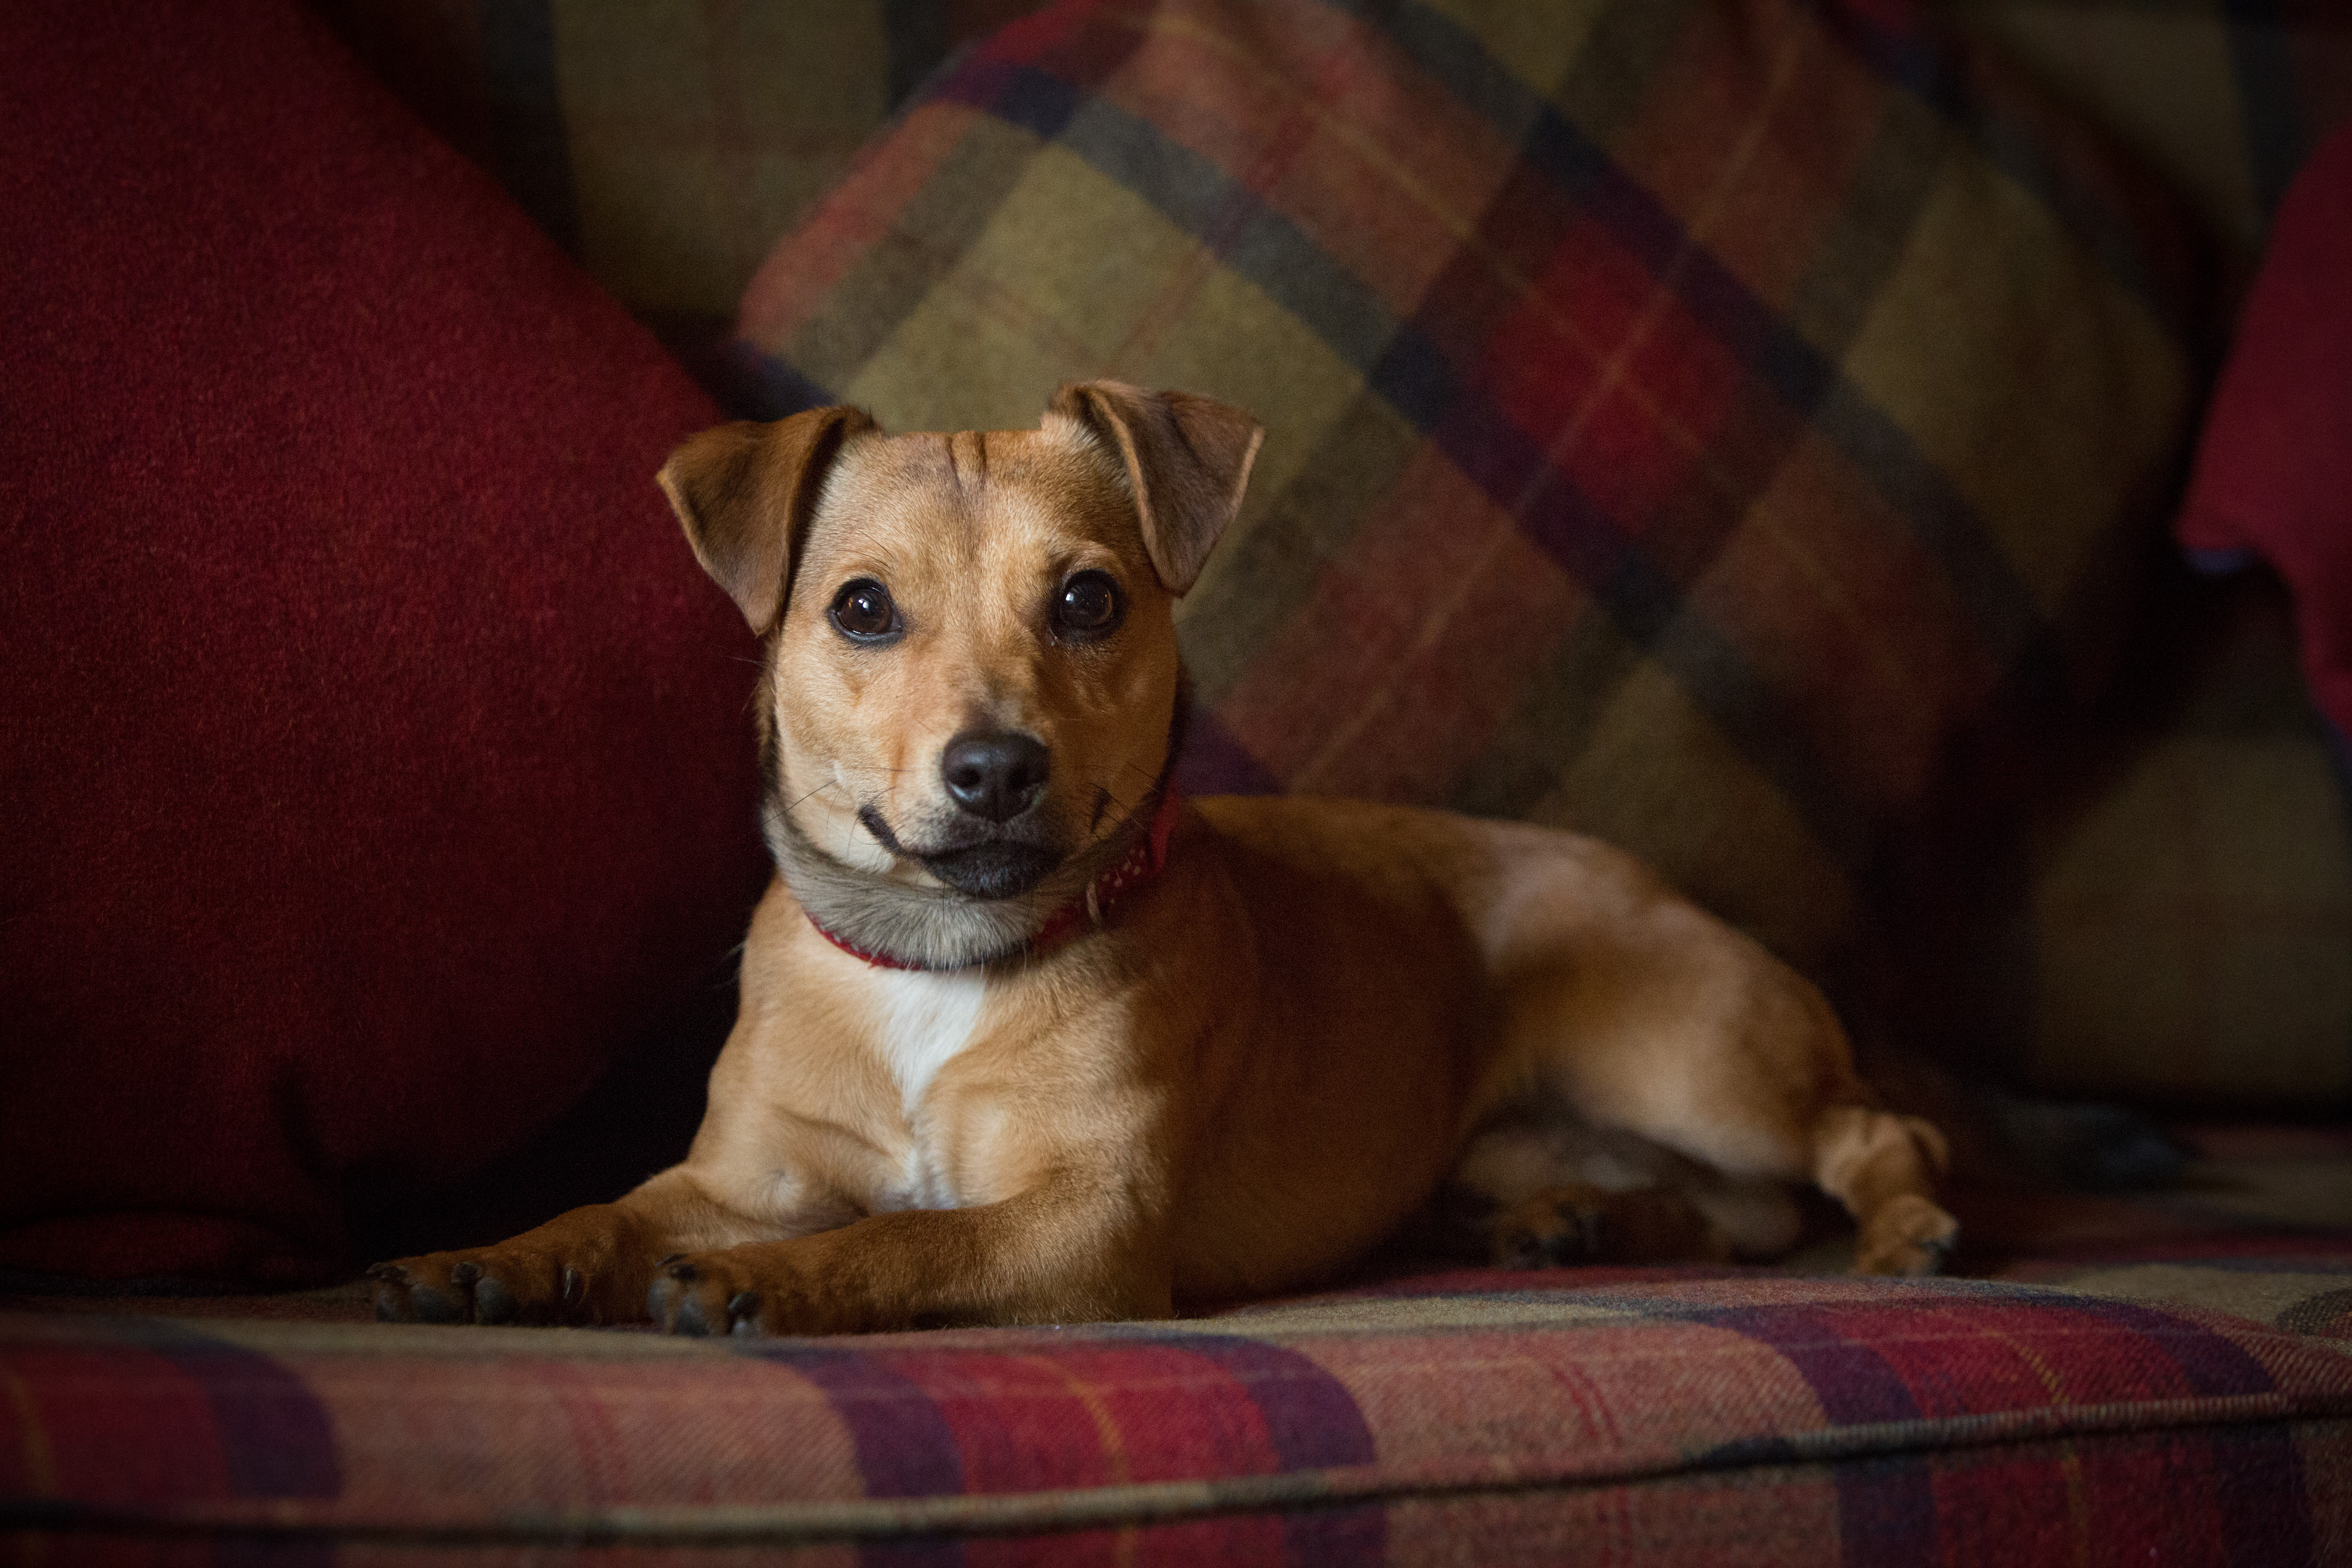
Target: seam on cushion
1158,1502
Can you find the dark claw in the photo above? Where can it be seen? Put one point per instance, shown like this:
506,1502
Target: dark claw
685,1273
575,1290
690,1318
432,1306
466,1273
1940,1250
743,1313
670,1259
387,1308
493,1302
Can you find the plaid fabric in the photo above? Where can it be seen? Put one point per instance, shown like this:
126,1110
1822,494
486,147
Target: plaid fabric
665,146
1682,1418
2192,920
2166,1378
2161,905
1685,422
668,146
2227,99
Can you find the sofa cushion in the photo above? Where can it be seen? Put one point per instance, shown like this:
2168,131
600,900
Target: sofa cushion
1695,424
1698,1415
2142,1377
665,146
2162,908
375,757
2227,99
668,148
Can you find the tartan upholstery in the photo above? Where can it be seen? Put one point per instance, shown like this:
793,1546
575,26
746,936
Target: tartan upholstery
2165,911
2228,100
2161,1377
1699,1415
699,141
665,145
1685,423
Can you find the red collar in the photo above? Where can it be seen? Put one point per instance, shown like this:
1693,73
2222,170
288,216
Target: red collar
1138,866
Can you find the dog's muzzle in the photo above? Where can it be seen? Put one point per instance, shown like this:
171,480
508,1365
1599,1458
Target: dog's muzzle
991,845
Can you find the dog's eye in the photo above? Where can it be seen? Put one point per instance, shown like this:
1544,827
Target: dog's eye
863,611
1088,607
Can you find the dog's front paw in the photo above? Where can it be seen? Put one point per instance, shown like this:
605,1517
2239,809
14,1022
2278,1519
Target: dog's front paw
728,1292
1907,1234
490,1285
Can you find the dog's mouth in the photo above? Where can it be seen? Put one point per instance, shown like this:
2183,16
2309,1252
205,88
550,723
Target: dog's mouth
998,866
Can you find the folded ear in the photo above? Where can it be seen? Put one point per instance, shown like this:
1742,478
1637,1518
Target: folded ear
744,492
1187,458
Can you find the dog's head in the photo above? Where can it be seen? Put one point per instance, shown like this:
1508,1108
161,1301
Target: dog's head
971,672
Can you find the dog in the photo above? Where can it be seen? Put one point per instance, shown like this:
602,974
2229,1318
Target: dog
1024,1038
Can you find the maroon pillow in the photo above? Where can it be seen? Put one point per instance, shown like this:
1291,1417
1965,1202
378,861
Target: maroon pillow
374,753
2274,468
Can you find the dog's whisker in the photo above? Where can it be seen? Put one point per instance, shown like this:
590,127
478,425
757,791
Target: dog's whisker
811,795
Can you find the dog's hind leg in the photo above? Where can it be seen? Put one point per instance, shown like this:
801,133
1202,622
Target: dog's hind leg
1700,1042
1882,1168
1542,1189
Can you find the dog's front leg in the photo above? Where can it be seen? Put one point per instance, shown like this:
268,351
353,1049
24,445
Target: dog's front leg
1069,1251
590,1265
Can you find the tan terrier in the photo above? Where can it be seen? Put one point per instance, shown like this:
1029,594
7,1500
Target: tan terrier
1026,1039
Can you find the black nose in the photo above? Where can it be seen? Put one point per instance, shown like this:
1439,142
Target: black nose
996,774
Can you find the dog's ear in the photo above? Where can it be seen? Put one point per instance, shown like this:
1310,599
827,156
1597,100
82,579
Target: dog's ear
744,492
1187,458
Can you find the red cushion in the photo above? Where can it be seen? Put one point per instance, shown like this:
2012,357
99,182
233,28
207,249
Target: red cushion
2274,470
374,753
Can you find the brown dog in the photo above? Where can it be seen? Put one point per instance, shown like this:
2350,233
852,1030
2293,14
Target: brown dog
1023,1041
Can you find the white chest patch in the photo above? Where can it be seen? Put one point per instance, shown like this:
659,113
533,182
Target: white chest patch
922,1023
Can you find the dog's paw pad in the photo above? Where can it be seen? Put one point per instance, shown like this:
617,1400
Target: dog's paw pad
493,1302
670,1302
707,1296
428,1305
